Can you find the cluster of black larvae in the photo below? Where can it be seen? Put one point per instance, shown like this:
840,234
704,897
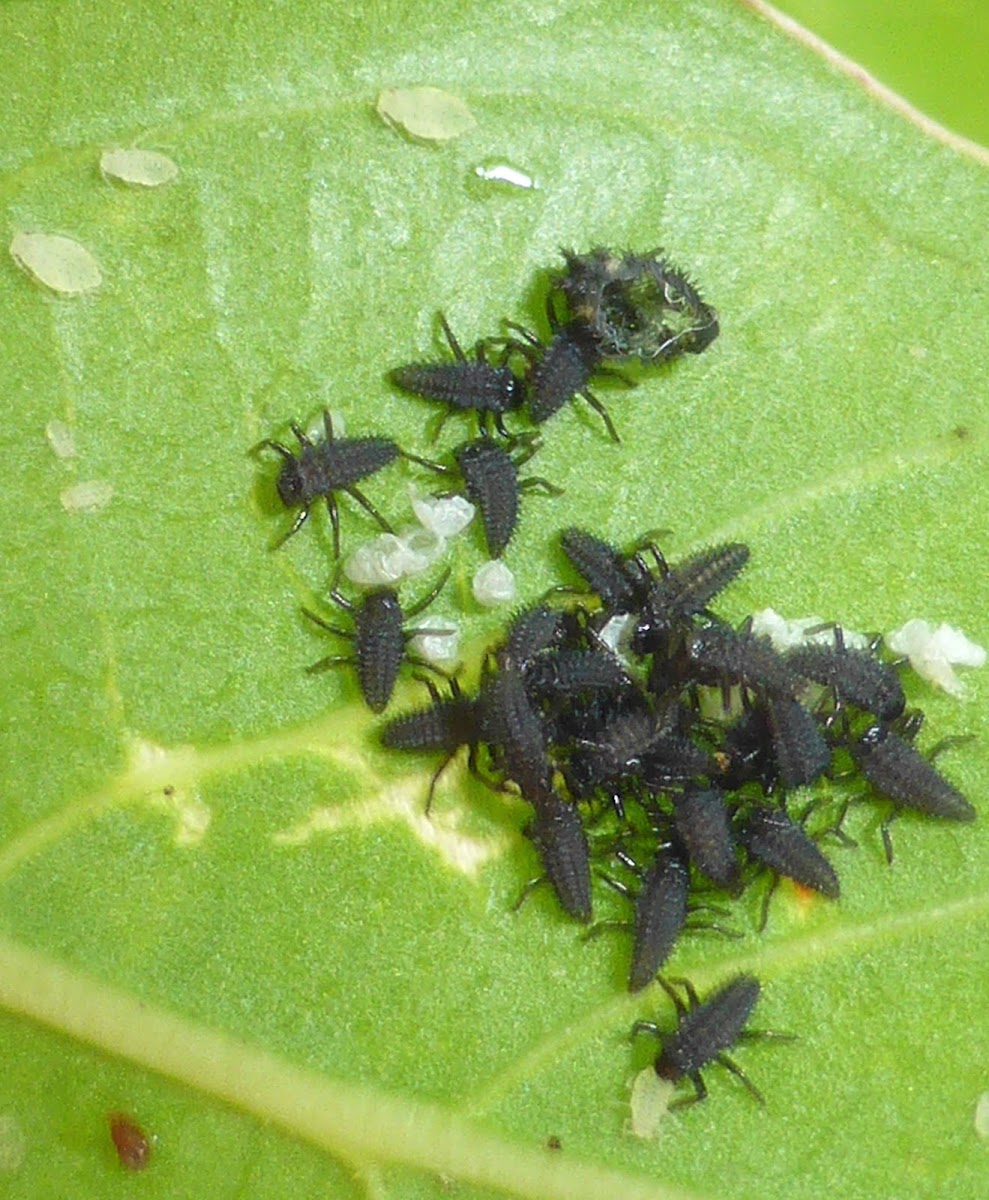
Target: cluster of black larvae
618,307
673,766
654,742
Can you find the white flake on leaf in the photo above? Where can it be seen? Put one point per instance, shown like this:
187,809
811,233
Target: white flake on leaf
377,563
494,584
934,652
142,168
423,547
425,114
59,263
505,173
446,516
440,647
87,497
389,558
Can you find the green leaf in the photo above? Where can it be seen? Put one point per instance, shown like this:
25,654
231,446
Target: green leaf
221,907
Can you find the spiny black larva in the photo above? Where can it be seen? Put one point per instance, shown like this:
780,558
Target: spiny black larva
855,677
561,368
686,590
722,655
564,672
611,750
660,912
321,469
489,388
600,565
621,582
660,915
703,827
557,833
704,1032
530,631
778,842
448,723
639,305
379,639
491,477
898,772
800,752
514,730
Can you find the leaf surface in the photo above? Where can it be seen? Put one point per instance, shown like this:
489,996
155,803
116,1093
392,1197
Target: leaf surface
221,907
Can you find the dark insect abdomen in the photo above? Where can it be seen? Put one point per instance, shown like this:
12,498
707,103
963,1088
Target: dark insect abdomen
466,385
802,755
600,565
564,369
492,482
513,729
660,913
694,584
898,771
703,826
531,631
557,832
707,1030
340,464
687,590
380,646
565,672
447,725
720,652
856,676
779,843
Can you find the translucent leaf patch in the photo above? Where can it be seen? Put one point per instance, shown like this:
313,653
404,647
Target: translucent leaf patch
89,496
61,439
56,262
425,114
141,168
